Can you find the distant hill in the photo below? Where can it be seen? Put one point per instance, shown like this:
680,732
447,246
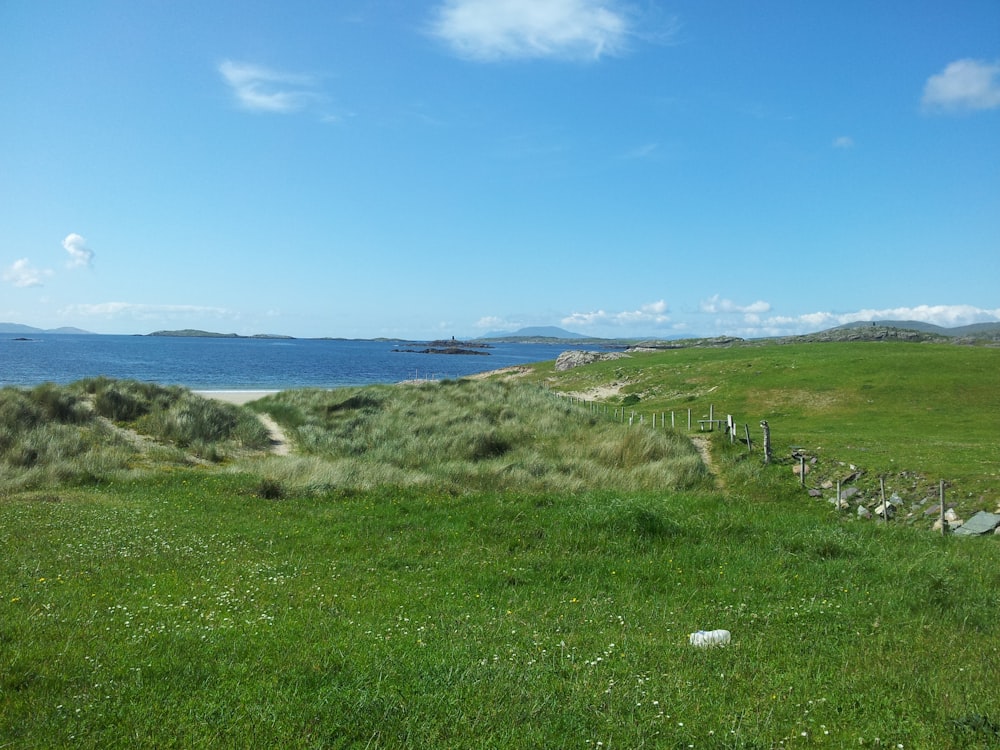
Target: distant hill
535,332
195,333
975,329
22,329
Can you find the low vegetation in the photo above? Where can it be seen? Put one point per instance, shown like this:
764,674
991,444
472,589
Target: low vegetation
462,435
407,579
94,430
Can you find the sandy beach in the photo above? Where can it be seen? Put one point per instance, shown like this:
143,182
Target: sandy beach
235,397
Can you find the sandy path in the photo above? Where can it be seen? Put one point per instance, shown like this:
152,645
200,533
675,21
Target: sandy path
279,441
701,442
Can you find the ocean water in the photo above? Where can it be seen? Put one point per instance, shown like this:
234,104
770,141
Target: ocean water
244,364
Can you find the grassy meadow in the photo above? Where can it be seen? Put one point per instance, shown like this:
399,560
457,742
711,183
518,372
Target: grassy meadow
434,566
915,414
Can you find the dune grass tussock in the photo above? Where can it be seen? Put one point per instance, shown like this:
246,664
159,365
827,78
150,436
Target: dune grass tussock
92,430
462,435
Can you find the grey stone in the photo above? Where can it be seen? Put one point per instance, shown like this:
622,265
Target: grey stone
980,523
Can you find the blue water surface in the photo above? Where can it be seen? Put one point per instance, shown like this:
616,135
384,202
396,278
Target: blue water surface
244,363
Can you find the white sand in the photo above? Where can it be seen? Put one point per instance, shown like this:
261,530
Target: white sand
235,397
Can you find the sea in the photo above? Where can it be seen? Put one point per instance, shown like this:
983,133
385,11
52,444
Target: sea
247,363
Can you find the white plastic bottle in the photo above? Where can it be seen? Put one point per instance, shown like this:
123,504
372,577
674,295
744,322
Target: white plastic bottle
709,638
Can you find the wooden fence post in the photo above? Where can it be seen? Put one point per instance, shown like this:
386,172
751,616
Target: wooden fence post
767,441
746,428
944,523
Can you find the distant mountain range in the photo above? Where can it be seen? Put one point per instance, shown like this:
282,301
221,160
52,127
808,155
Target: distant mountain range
535,332
28,330
975,329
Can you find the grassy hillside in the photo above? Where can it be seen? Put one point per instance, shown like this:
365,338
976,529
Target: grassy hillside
915,413
430,569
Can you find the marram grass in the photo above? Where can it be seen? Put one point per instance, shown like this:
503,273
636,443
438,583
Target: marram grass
464,435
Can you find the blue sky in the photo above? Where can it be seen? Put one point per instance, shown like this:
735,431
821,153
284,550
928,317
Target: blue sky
372,168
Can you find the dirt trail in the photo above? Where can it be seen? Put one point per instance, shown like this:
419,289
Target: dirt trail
704,446
279,441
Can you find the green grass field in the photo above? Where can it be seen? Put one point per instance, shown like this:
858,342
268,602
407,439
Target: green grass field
914,413
335,604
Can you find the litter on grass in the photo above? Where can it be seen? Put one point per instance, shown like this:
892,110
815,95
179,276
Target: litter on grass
709,638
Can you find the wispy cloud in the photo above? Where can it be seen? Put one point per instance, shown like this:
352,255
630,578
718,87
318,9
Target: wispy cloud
716,305
963,86
21,273
261,89
496,323
80,256
946,316
140,311
843,142
491,30
645,151
653,314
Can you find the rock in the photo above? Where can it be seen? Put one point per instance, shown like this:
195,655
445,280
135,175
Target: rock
950,515
815,493
863,512
848,492
885,510
981,523
797,469
574,358
827,485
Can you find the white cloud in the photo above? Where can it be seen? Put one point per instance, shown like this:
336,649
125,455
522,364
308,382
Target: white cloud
495,323
262,89
146,312
80,255
946,316
964,85
717,305
22,274
491,30
843,141
654,313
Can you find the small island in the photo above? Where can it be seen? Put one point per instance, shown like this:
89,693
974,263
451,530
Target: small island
451,347
195,333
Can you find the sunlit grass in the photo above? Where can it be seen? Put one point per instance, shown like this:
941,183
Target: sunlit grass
466,435
488,565
96,430
185,611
